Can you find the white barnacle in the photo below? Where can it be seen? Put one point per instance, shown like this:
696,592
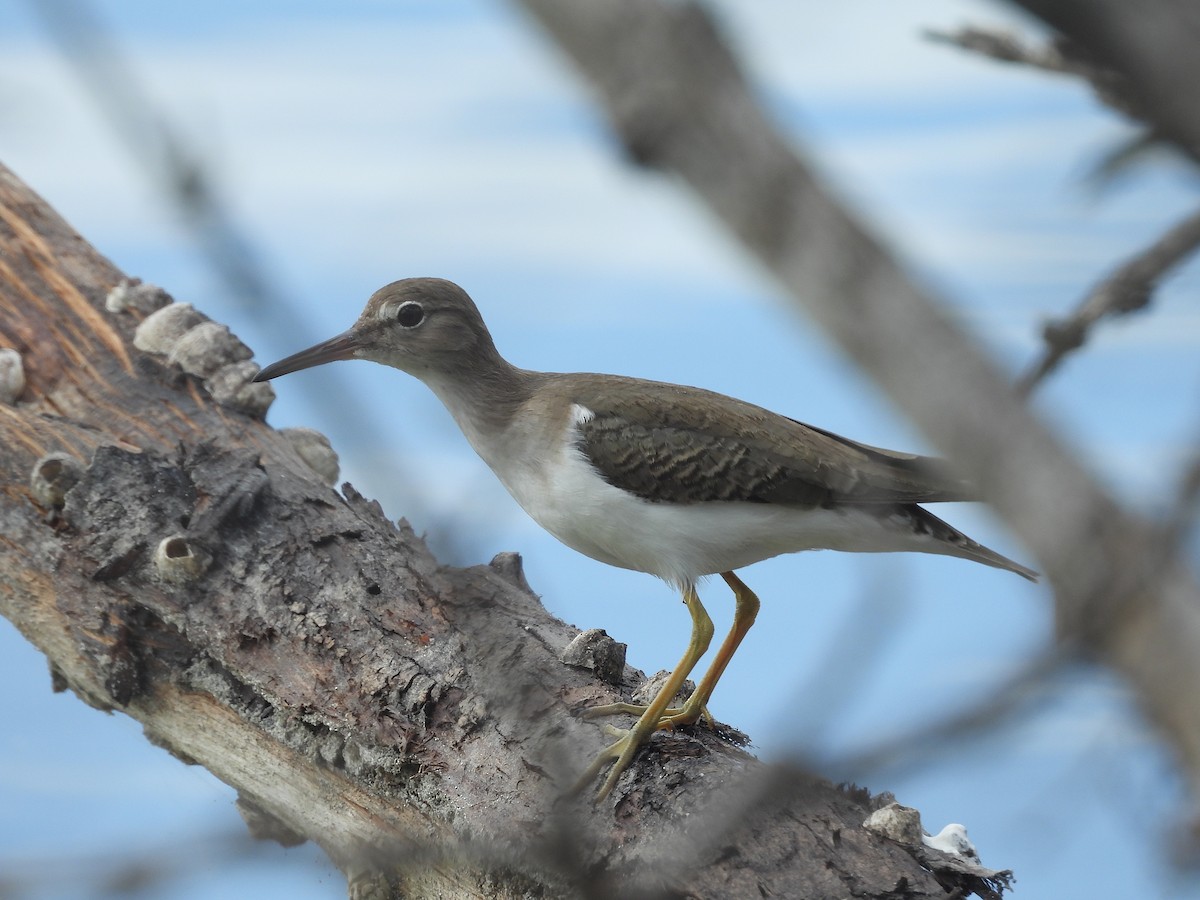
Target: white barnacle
12,375
135,294
160,331
207,347
52,476
233,385
179,560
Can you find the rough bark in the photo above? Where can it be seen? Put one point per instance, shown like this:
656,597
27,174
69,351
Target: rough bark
412,719
678,101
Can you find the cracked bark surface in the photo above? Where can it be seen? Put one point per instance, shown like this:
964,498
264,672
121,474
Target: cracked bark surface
412,719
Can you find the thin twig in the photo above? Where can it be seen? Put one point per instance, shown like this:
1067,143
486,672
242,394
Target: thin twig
1128,289
1002,46
1058,55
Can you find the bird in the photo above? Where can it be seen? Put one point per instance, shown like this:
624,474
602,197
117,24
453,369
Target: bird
674,481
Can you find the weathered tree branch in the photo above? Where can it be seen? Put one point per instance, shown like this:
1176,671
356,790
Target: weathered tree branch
678,102
412,719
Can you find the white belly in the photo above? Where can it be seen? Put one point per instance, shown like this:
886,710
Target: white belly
679,542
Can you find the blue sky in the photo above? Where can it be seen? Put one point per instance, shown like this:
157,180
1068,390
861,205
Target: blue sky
362,143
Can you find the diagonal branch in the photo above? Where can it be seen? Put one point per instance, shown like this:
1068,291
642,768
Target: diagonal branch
195,573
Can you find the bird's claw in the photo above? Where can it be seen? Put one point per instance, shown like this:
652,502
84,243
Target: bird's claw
621,752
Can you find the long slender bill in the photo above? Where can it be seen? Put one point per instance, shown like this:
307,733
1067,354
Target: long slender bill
341,347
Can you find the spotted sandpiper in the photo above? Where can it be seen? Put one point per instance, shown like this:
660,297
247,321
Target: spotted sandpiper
675,481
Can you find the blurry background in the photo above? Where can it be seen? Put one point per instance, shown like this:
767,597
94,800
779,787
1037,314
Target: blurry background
347,145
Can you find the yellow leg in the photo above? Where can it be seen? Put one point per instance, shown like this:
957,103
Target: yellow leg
744,614
622,752
658,715
694,708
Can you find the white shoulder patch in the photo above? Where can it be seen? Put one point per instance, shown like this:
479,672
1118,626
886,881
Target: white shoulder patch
581,414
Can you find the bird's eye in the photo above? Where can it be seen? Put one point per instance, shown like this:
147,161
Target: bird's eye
410,314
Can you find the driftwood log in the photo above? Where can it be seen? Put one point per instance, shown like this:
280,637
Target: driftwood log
180,562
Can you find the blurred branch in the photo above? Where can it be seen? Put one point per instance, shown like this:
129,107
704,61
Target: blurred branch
1059,56
1124,154
1182,518
946,735
1127,289
1154,45
152,140
1007,47
678,101
850,660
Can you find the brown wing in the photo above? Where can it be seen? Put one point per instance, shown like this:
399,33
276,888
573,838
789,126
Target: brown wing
672,443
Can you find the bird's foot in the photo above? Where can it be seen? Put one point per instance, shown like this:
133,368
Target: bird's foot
658,714
621,752
672,717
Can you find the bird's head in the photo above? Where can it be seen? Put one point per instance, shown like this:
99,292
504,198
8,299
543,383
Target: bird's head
423,326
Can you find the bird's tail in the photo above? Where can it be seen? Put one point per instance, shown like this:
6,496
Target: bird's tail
952,542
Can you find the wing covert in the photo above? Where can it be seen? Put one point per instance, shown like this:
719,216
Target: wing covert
715,449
